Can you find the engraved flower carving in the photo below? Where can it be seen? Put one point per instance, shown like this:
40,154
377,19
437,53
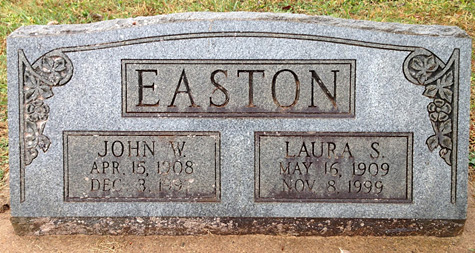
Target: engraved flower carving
441,87
36,88
440,138
43,142
424,66
30,155
439,110
33,139
37,111
52,69
30,141
446,154
53,66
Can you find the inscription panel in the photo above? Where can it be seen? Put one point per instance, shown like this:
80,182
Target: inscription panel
141,166
250,88
333,167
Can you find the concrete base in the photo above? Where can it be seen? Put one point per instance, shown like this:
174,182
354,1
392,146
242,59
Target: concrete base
234,226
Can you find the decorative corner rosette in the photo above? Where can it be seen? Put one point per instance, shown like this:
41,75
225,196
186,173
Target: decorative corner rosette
422,67
37,81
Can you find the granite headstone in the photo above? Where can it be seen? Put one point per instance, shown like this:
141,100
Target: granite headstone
238,123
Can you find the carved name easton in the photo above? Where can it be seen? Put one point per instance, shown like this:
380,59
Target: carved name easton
141,166
238,88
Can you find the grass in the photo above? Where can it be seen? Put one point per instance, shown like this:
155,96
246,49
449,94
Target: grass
16,13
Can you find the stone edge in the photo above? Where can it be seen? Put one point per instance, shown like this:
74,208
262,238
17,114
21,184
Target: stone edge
427,30
26,226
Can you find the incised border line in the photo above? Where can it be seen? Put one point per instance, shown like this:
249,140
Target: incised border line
421,67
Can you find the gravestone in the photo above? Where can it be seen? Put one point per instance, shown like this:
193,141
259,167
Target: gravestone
239,123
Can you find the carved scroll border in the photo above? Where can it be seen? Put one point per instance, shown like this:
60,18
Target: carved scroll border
421,67
441,82
37,81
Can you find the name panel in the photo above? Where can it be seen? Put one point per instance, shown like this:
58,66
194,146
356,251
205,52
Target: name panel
333,167
141,166
238,88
